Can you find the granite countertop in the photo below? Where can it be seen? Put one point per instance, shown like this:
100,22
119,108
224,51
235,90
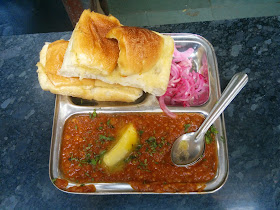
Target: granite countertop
252,123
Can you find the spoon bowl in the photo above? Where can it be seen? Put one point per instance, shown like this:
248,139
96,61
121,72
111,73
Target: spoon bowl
187,151
189,148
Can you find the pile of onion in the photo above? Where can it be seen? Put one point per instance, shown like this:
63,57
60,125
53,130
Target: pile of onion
186,87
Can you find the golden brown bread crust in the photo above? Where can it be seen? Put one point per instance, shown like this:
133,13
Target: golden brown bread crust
140,49
90,44
146,65
54,60
51,58
55,55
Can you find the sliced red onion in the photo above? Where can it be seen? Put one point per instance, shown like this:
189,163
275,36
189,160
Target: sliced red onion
186,87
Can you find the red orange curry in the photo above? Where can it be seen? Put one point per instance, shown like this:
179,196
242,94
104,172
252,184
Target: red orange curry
148,168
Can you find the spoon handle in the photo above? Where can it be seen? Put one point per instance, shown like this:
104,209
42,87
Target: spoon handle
235,85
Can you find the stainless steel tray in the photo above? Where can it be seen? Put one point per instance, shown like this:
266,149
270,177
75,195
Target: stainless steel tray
67,106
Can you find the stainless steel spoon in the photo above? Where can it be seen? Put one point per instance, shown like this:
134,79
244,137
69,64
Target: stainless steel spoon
188,148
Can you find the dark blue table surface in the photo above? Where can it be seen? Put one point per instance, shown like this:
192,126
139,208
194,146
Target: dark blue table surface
252,123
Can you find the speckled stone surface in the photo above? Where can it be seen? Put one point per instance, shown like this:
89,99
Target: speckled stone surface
252,123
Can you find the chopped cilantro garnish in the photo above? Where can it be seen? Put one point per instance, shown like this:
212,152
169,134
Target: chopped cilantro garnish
109,138
76,127
143,165
162,142
213,129
73,158
88,147
141,133
139,146
187,127
152,144
93,162
109,124
131,157
102,153
93,114
210,134
208,139
87,156
54,180
88,160
97,159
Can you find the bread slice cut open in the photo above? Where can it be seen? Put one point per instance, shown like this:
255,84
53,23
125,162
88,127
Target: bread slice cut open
51,59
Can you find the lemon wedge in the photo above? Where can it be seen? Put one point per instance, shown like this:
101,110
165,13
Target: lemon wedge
127,141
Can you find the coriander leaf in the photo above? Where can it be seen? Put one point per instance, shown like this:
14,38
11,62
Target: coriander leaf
213,129
131,157
141,132
73,158
97,158
109,124
87,156
139,146
187,127
153,145
93,162
207,139
102,153
93,114
109,138
88,147
210,134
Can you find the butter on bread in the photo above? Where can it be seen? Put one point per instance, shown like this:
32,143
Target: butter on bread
145,65
51,58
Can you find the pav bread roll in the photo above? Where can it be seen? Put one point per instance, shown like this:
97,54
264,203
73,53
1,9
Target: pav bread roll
140,49
89,48
143,59
51,58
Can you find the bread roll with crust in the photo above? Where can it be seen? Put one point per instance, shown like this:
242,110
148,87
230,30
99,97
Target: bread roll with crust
89,48
140,49
51,58
144,61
